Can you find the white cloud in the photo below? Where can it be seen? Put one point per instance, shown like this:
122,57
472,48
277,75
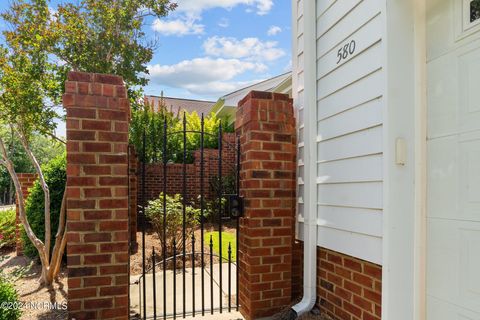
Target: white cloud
203,75
224,23
177,27
189,12
197,6
248,48
274,30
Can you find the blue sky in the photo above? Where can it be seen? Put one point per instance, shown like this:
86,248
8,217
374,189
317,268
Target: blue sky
210,47
207,48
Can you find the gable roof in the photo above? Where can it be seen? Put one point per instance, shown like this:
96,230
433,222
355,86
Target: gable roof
226,106
232,99
177,105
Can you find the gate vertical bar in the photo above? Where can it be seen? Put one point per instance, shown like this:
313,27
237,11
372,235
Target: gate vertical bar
143,227
184,204
164,249
174,279
238,225
193,274
220,213
154,285
202,217
229,277
211,274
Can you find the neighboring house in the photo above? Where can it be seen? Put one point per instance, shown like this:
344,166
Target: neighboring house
179,105
388,99
226,105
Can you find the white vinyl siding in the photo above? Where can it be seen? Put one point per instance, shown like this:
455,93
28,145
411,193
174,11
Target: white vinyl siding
350,112
298,94
350,108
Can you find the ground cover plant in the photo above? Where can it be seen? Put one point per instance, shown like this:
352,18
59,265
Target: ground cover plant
228,239
7,228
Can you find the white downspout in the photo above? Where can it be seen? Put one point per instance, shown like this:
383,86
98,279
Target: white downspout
310,135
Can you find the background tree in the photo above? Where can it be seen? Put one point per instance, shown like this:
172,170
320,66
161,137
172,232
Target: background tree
43,147
152,123
42,45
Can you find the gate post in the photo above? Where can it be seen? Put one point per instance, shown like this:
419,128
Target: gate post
97,196
266,125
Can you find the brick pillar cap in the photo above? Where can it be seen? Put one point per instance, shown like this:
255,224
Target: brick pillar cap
263,95
95,77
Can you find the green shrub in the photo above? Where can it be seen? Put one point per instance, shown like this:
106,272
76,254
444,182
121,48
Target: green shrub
9,295
7,228
152,123
55,177
154,213
212,206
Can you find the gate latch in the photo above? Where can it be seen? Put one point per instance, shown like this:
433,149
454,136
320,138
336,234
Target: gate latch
235,206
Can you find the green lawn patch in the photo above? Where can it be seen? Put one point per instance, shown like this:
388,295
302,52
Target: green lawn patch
227,237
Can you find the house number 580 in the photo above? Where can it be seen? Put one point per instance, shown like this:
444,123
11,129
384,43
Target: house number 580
347,50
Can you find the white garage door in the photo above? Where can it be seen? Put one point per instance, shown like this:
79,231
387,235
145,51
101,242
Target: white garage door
453,214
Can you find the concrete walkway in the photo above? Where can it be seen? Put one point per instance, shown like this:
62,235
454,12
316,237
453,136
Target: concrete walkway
136,293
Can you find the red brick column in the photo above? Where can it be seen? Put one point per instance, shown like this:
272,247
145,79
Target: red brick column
266,125
26,182
97,190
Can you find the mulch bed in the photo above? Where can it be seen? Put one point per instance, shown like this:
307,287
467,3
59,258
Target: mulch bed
30,290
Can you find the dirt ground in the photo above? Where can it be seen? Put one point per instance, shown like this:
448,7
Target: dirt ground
32,293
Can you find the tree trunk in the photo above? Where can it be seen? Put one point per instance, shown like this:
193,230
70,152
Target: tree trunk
46,192
50,268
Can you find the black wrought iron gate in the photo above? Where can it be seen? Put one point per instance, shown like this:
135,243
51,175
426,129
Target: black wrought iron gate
191,276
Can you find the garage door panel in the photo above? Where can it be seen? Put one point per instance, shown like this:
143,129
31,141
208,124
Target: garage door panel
442,310
453,261
469,180
442,177
453,168
454,172
442,97
469,93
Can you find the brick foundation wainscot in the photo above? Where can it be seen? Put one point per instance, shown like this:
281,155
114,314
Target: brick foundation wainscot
347,288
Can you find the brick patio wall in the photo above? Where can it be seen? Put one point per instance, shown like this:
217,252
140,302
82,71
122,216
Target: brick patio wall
26,182
348,288
97,196
266,126
154,172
